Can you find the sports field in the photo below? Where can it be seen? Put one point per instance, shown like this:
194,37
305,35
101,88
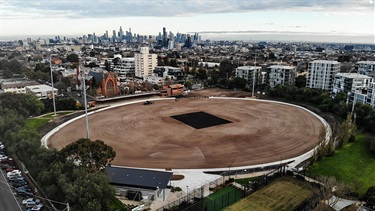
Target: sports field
283,194
198,133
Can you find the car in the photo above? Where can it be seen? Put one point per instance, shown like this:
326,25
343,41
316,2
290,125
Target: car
2,146
13,173
10,169
5,166
16,178
24,192
3,157
18,184
147,102
36,207
33,204
31,200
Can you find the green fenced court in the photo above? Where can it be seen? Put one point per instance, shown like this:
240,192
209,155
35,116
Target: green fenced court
222,198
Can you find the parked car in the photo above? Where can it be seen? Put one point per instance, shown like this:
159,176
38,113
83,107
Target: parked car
5,166
2,146
31,200
16,178
14,173
24,192
10,169
33,204
38,207
18,184
2,157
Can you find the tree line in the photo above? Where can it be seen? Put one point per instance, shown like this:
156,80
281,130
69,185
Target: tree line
364,113
72,175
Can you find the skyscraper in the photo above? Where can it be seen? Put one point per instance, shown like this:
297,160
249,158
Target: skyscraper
165,38
121,34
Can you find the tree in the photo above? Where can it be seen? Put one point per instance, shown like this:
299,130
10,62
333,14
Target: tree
300,81
93,155
117,61
329,186
72,58
369,197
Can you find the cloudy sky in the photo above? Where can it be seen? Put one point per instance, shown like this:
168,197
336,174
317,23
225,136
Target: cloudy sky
315,20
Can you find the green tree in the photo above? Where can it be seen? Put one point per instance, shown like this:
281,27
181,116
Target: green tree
369,197
93,155
117,61
72,58
300,81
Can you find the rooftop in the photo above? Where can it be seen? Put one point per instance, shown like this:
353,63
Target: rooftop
138,177
366,62
353,75
40,88
282,67
325,61
249,67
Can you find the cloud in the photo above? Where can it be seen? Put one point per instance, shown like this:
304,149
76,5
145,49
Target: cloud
164,8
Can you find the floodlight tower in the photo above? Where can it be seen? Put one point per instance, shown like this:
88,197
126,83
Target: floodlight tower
53,91
85,101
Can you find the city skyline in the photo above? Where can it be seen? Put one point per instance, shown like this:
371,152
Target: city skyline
285,20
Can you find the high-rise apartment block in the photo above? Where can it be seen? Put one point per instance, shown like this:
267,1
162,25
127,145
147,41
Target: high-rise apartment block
250,73
321,74
281,74
366,68
350,83
144,62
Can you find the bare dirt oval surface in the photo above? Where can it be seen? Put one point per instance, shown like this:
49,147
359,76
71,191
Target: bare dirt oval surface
147,136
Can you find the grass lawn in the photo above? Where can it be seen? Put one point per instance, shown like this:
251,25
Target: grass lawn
245,181
353,163
283,194
36,122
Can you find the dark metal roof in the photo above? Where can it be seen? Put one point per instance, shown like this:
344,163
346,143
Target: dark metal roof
138,177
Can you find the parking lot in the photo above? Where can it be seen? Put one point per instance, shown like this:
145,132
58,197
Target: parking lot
15,192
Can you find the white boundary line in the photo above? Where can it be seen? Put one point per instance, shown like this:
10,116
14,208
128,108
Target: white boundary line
294,161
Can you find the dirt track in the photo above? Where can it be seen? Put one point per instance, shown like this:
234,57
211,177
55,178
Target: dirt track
146,135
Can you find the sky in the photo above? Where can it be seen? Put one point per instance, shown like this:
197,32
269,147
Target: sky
290,20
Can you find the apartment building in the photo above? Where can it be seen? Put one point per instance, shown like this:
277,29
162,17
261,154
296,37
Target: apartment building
250,73
350,83
366,68
144,62
366,96
281,74
321,74
126,68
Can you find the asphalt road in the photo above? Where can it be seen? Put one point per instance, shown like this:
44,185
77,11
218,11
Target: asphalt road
7,198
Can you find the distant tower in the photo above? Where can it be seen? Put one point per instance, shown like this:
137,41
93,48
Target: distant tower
121,34
165,41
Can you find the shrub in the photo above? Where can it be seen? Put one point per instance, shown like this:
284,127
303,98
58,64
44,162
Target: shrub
176,189
352,138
